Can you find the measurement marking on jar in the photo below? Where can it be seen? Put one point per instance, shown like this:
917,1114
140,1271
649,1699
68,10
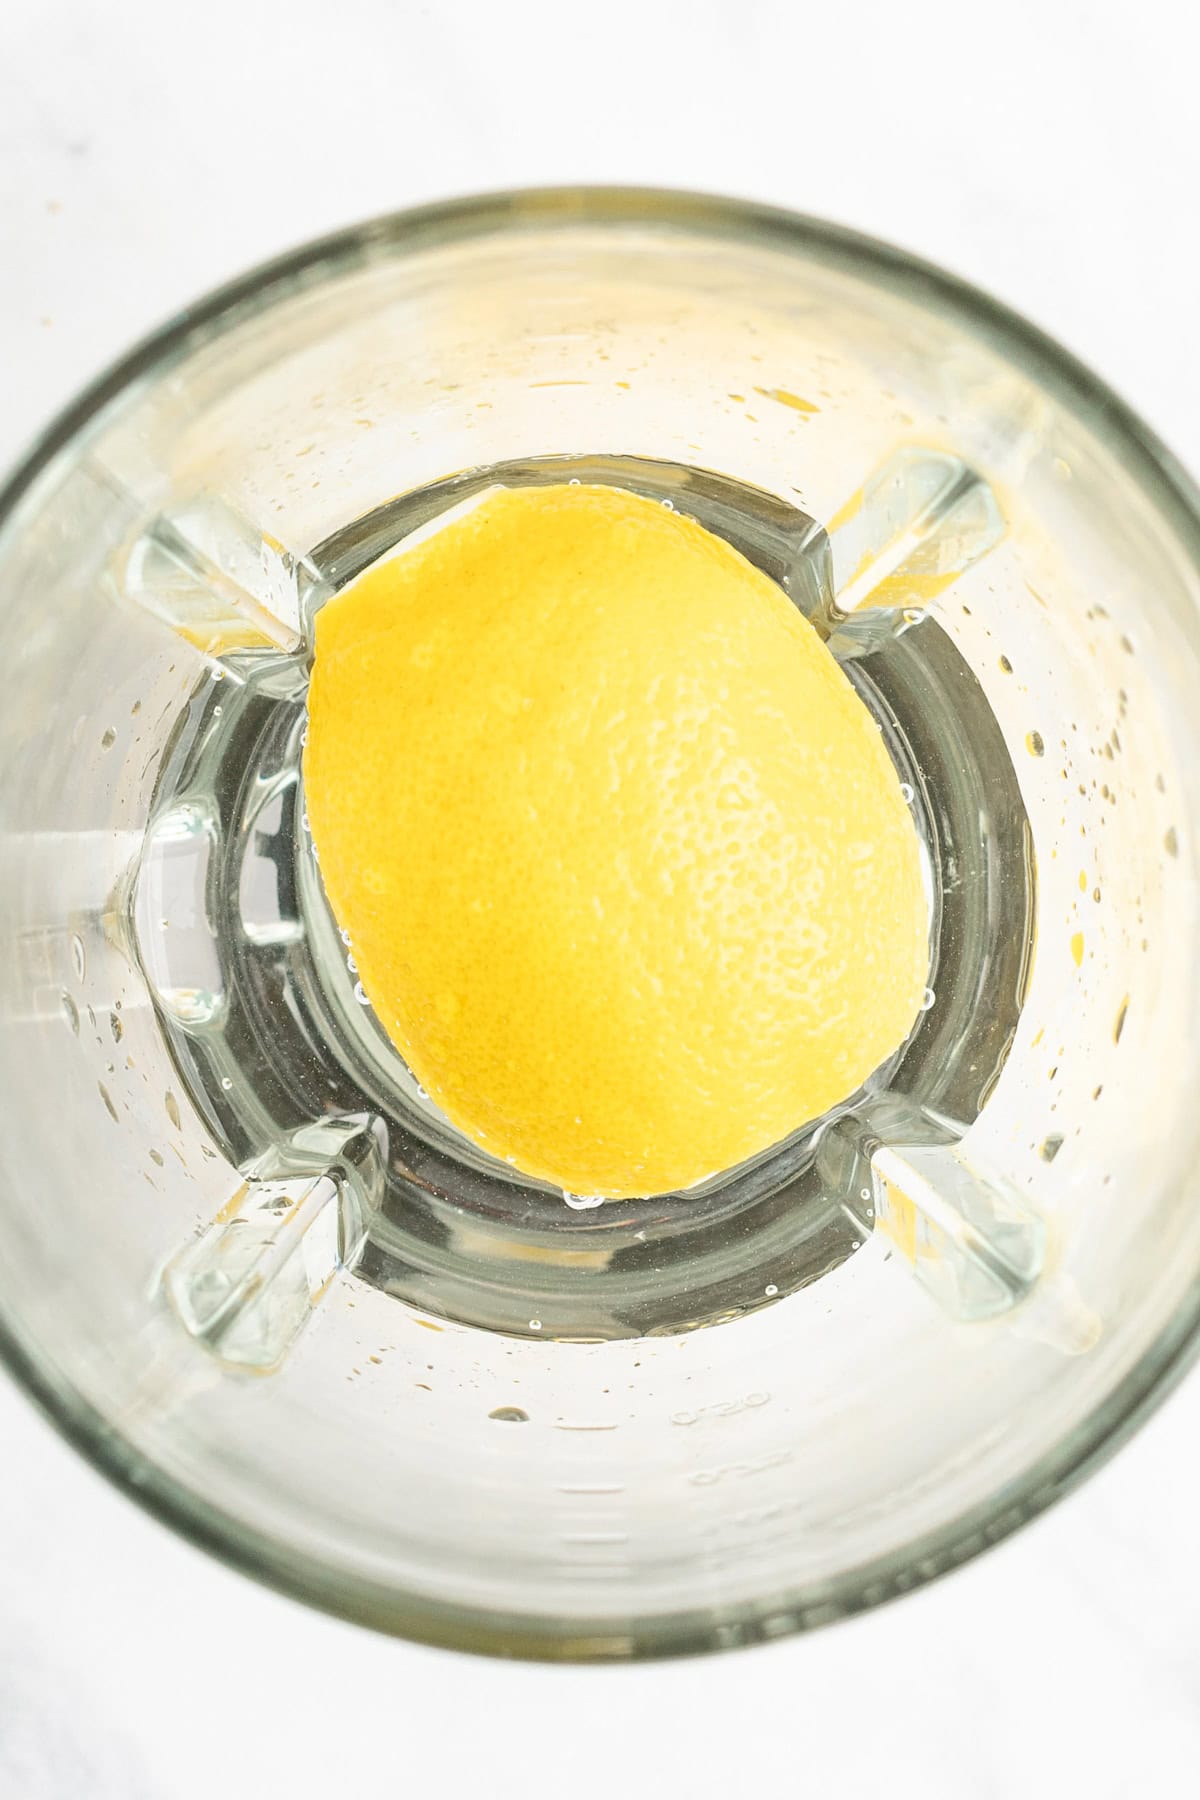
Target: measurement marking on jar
598,1487
719,1409
754,1517
565,1425
594,1537
591,1569
739,1471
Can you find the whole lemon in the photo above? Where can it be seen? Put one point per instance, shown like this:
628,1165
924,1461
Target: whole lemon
625,864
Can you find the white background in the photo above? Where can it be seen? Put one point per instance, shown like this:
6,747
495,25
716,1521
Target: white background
1046,149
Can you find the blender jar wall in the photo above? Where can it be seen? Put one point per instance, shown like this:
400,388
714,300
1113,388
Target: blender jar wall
849,1439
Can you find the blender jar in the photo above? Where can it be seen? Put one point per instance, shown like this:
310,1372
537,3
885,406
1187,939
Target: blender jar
245,1263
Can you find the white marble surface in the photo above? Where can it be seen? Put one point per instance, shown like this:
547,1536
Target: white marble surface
1046,149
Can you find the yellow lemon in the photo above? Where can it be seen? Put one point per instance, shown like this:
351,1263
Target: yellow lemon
625,864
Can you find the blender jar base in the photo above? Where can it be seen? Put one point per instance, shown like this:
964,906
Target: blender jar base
255,984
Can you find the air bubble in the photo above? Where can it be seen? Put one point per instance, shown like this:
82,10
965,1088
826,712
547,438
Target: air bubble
906,792
535,1324
345,937
864,1193
574,482
928,999
770,1290
582,1202
226,1083
360,994
668,505
352,965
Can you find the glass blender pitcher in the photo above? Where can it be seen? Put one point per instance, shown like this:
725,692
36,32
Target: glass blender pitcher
247,1265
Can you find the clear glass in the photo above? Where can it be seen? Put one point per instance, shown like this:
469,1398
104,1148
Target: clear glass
245,1265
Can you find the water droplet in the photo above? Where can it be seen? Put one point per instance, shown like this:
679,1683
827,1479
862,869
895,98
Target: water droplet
535,1324
116,1027
78,961
172,1107
1119,1022
1005,665
70,1010
1050,1147
770,1290
1171,841
928,999
1035,743
157,1157
360,994
906,792
512,1415
108,1101
109,739
582,1202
